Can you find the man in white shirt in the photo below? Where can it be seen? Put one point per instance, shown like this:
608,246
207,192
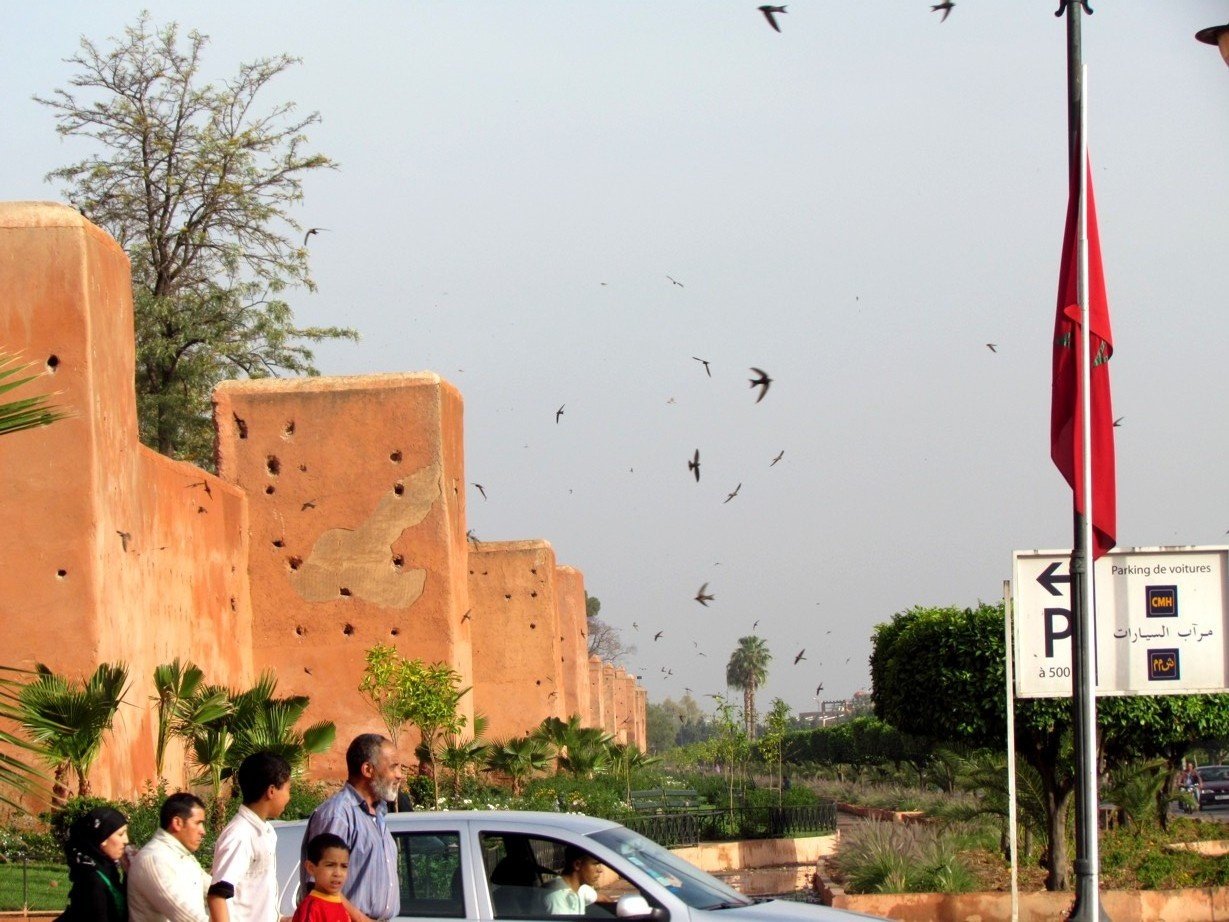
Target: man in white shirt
563,894
165,881
244,878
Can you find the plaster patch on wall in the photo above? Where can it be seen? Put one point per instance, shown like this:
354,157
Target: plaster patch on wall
358,558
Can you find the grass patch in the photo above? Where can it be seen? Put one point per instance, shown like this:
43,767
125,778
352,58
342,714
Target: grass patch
46,886
896,858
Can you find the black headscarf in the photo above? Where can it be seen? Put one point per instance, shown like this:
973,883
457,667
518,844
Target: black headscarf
86,860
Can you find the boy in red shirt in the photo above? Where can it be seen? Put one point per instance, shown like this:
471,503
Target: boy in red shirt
328,863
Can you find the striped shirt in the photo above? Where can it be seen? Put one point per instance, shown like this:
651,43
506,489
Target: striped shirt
372,885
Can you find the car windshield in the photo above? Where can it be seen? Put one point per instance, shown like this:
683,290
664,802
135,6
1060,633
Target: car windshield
1214,773
687,882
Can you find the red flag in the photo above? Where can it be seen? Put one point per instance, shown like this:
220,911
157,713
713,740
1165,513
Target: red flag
1066,407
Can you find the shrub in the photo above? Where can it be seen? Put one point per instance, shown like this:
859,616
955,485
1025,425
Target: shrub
895,858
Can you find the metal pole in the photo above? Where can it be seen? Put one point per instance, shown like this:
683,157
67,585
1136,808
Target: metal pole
1009,669
1087,906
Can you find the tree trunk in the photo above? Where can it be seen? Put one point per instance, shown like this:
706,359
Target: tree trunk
83,782
1056,826
59,790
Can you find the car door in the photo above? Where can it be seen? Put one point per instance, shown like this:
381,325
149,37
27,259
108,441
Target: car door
518,876
432,872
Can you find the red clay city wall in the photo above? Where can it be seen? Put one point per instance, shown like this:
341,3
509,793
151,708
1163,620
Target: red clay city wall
357,531
114,553
517,660
573,640
597,693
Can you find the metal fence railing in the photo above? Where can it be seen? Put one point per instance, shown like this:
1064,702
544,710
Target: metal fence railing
695,826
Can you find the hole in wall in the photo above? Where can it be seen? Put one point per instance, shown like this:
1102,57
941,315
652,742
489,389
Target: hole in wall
507,597
395,457
537,681
399,489
234,606
241,426
295,562
398,561
303,468
279,542
395,631
300,630
533,626
273,466
288,429
60,574
344,591
533,570
270,490
348,630
534,594
53,363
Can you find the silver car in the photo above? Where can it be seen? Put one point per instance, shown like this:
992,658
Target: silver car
496,865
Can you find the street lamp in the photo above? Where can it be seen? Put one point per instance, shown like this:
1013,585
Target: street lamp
1216,35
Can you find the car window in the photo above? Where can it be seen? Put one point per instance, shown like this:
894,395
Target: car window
429,870
523,873
1214,773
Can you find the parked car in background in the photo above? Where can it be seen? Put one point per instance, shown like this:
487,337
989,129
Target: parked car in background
1213,789
492,865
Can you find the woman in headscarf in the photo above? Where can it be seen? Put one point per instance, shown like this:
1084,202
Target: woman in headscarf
95,846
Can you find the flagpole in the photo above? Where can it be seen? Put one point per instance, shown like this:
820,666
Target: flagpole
1087,906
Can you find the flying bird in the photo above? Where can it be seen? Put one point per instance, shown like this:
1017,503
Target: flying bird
732,495
559,413
780,455
311,231
1118,421
480,490
467,615
819,688
694,465
945,6
993,347
768,12
205,484
657,636
310,504
763,382
799,658
676,282
635,626
755,624
703,597
704,362
124,538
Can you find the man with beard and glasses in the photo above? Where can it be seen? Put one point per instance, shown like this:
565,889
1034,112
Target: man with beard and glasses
357,814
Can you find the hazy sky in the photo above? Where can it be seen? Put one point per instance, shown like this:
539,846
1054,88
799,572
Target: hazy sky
857,205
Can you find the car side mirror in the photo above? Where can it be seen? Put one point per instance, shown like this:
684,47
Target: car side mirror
635,906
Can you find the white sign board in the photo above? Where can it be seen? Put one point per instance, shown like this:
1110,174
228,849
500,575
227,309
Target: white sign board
1161,622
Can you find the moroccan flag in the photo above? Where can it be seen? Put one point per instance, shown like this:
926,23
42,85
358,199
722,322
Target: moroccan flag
1066,408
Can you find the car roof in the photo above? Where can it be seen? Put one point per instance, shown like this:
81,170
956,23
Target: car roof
576,823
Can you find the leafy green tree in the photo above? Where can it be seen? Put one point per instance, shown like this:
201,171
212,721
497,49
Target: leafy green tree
730,746
746,671
772,745
67,720
519,759
196,182
408,692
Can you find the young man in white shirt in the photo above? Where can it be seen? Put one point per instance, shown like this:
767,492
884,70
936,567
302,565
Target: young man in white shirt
165,881
243,885
565,894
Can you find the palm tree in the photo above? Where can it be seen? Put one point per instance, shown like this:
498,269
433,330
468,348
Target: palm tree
519,758
67,720
626,758
747,670
28,412
588,752
176,684
16,775
461,757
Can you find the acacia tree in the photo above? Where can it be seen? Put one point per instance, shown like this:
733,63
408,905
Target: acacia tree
196,183
747,670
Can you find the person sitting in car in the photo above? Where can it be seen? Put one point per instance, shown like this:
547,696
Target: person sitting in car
563,894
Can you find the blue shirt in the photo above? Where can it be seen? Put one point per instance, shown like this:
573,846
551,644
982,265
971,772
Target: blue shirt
372,883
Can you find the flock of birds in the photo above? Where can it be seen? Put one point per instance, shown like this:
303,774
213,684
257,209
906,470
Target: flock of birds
771,12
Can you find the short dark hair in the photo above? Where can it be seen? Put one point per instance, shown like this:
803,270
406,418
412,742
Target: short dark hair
571,855
178,806
259,772
321,843
363,748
